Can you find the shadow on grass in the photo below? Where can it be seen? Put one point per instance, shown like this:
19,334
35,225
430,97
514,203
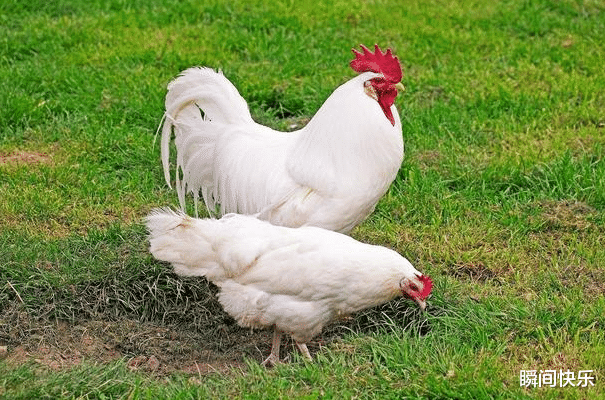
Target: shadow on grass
159,321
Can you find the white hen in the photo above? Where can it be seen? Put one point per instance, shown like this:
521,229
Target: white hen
330,174
294,279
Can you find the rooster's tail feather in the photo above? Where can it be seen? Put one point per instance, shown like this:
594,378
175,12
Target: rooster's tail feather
199,104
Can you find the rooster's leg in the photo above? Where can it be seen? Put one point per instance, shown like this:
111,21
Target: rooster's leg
273,358
305,352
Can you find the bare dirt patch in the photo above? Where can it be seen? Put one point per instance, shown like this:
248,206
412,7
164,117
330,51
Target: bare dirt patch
20,157
146,347
591,281
193,335
565,215
476,271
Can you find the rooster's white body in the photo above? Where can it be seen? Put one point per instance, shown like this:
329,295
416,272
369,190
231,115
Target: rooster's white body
329,174
295,279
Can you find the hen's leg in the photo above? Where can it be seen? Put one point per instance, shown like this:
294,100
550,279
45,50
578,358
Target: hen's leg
273,358
305,352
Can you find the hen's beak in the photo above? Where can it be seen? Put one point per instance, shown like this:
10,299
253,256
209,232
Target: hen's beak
421,304
399,86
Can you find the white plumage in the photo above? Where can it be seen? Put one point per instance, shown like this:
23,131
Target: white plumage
330,174
296,280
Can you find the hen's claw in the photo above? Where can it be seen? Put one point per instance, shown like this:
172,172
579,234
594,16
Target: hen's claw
305,351
273,358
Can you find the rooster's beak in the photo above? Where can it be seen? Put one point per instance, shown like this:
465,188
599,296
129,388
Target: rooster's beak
421,304
400,88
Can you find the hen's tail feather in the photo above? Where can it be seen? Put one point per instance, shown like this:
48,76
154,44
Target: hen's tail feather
199,104
184,242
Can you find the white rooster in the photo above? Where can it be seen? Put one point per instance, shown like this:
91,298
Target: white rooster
293,279
329,174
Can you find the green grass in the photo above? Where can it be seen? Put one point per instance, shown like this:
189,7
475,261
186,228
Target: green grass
501,196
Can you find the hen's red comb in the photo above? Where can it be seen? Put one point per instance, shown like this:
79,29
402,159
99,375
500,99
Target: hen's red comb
426,288
379,62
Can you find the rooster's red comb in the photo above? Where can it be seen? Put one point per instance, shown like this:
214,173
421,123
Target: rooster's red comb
379,62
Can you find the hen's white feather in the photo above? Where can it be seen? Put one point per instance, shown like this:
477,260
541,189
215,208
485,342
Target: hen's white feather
329,174
296,279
